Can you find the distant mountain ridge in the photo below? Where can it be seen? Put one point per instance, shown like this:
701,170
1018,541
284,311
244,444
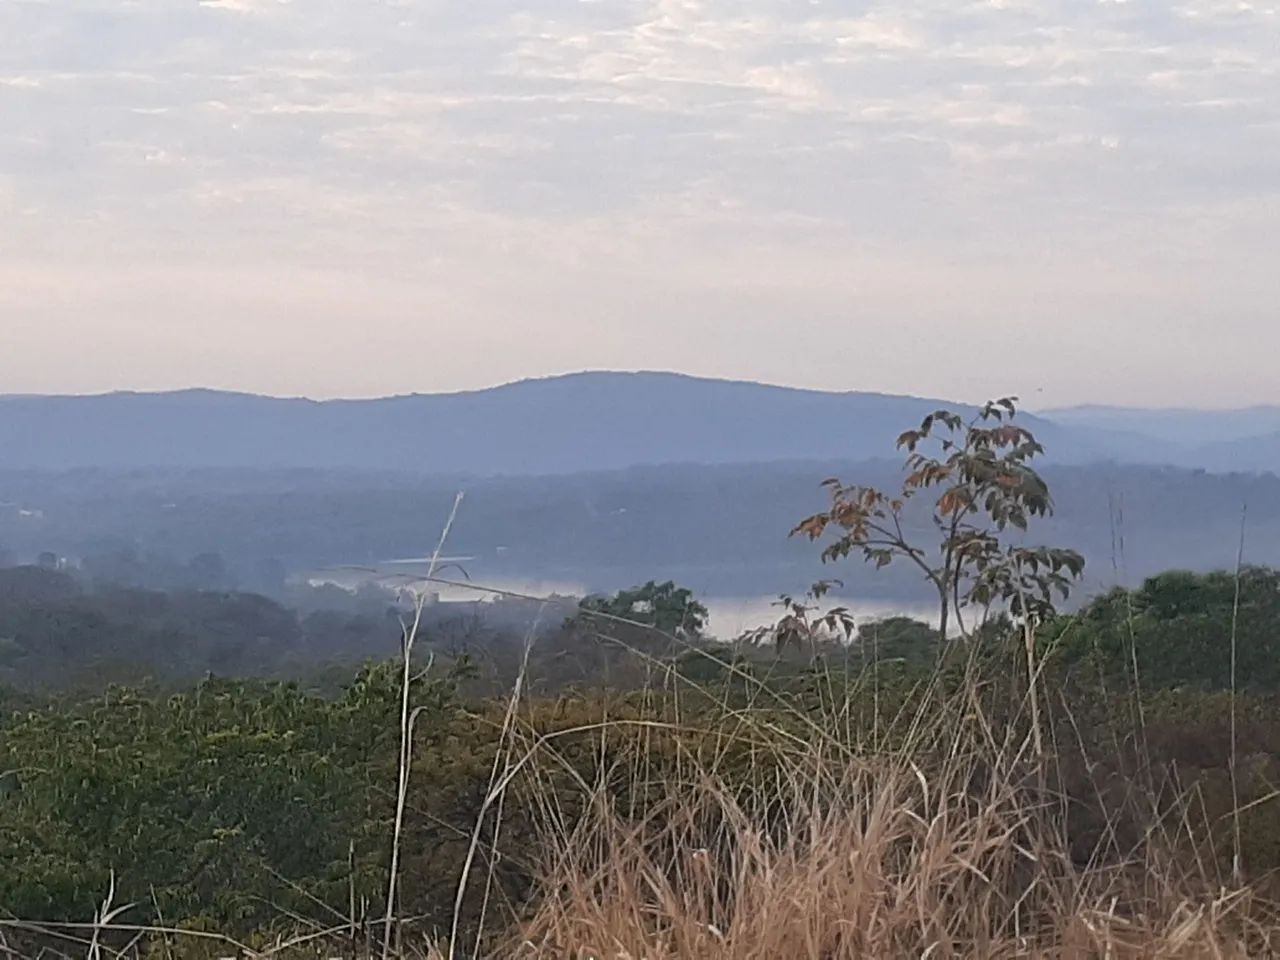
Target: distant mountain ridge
1179,425
580,422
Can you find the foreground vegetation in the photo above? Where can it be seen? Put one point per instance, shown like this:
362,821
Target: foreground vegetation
739,804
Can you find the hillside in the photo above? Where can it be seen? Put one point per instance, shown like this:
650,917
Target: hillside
1245,439
588,421
719,529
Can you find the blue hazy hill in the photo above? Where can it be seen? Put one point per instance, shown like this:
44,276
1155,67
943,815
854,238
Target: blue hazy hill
586,421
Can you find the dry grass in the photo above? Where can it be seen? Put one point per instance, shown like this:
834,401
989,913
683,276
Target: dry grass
900,868
952,844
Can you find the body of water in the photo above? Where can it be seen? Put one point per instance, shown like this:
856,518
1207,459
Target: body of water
728,616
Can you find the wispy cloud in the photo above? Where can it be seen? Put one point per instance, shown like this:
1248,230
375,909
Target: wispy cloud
486,158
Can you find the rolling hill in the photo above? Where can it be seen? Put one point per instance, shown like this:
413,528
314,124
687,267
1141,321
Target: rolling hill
1175,425
587,421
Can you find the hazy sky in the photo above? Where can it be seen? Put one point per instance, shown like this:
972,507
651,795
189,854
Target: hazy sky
353,197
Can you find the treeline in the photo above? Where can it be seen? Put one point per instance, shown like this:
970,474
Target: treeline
720,530
59,634
1179,629
56,634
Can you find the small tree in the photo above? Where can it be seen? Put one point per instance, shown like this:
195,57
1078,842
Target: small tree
978,477
801,626
663,606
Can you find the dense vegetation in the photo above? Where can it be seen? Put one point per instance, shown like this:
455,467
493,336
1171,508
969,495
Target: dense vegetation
1177,629
57,634
253,807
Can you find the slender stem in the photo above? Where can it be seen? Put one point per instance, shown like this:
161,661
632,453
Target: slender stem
1236,871
1029,640
406,731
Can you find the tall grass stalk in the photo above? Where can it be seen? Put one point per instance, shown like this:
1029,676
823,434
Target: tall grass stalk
410,636
1237,868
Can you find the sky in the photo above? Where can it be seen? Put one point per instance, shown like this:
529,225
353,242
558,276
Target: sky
1074,201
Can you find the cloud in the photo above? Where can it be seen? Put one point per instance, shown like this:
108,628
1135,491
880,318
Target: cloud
463,150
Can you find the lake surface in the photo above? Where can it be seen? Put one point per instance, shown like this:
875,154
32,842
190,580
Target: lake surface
729,616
